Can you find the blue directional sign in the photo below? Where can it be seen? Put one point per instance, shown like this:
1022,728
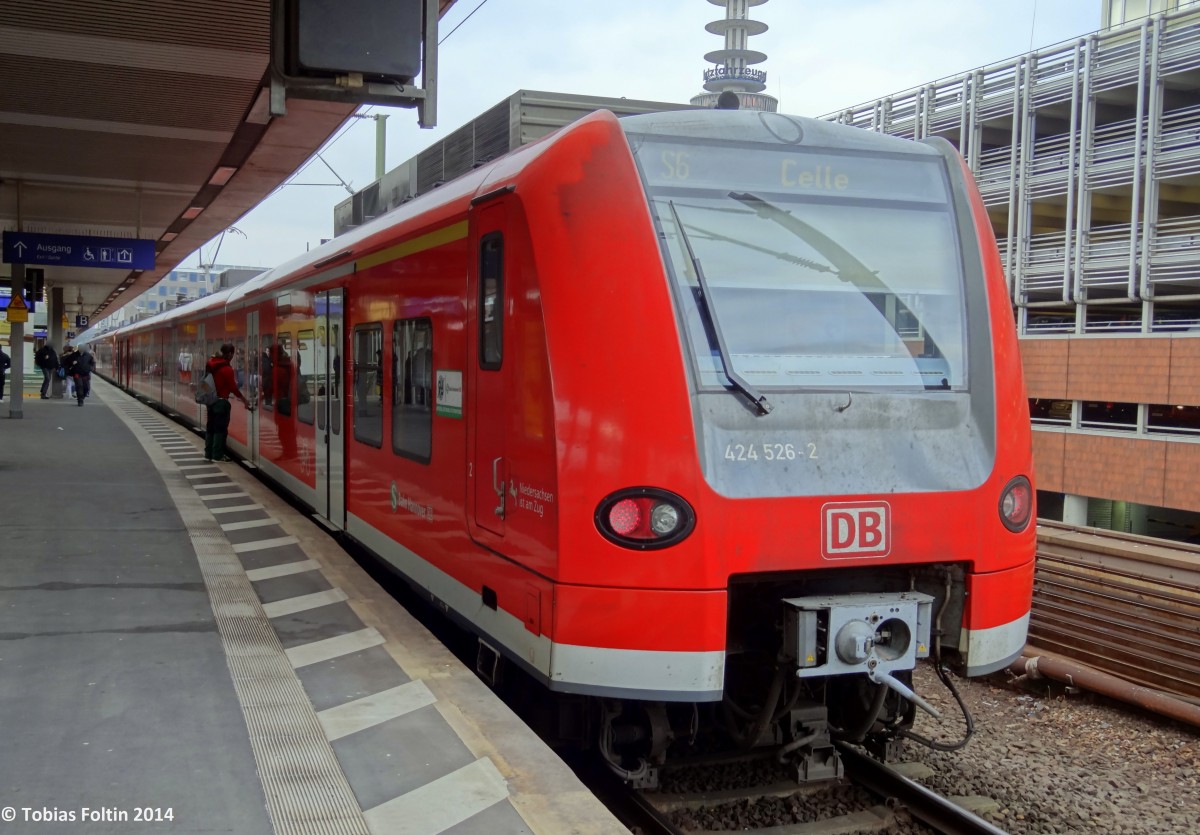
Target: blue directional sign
78,251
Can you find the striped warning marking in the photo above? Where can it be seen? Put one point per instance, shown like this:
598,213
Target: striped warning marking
263,544
317,651
369,711
270,572
303,603
241,508
250,523
321,801
474,788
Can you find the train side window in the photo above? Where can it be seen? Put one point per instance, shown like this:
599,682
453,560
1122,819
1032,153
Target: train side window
491,301
305,369
368,384
266,370
283,373
239,362
412,389
335,400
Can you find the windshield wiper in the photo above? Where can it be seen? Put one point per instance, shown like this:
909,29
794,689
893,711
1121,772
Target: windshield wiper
845,265
774,253
756,398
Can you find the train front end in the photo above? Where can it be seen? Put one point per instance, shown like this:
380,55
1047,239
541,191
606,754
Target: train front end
863,492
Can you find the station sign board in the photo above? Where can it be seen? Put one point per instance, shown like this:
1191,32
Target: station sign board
78,251
6,298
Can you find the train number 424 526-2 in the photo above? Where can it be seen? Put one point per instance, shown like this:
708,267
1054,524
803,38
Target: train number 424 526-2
770,452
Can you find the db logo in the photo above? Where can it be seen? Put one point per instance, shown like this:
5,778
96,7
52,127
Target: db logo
854,530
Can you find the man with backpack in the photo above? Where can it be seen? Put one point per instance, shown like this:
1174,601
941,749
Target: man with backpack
47,360
80,369
224,381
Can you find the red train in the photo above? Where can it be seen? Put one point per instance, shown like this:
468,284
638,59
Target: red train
700,413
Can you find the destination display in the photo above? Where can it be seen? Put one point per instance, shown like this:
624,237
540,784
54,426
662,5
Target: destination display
911,178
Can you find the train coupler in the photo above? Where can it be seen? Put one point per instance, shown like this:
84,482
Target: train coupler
811,750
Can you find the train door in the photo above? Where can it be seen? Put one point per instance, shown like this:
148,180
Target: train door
251,364
180,361
330,451
487,425
199,361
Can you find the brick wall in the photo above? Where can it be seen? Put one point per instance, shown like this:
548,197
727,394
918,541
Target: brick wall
1119,369
1135,369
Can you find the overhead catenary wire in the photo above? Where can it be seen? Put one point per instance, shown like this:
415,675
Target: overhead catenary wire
327,146
461,22
290,181
350,123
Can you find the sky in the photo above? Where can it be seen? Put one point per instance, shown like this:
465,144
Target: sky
821,57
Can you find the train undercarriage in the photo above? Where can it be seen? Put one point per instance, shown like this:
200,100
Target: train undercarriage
809,663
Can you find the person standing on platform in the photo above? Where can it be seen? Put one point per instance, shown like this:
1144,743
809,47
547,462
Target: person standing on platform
81,372
216,428
46,359
5,362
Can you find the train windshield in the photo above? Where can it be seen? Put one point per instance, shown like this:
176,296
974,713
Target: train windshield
823,268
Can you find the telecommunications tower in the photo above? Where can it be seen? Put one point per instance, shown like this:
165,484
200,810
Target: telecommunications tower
732,80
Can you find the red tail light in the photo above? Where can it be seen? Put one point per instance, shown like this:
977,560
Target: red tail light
644,518
1016,504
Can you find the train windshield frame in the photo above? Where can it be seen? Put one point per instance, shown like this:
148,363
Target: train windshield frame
827,268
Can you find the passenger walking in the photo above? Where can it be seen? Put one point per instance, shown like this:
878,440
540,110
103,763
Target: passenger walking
46,359
5,362
65,363
216,428
81,372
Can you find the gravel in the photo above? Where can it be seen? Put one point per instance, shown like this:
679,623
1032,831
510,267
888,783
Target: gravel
1058,762
1051,761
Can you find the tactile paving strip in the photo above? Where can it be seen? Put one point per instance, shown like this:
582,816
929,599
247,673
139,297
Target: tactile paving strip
306,790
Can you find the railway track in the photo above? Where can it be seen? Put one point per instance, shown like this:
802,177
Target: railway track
870,799
1123,604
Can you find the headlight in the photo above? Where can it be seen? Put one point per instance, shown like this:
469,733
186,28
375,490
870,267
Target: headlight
1016,504
644,518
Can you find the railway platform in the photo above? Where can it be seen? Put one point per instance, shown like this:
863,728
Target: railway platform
181,651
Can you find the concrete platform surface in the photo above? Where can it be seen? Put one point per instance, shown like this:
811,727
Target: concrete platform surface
183,652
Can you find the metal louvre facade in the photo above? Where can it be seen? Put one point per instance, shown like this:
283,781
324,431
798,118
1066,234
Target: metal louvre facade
1087,154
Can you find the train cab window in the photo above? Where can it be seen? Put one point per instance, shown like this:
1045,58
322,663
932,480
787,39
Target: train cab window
491,301
266,393
412,389
305,362
849,278
283,373
368,384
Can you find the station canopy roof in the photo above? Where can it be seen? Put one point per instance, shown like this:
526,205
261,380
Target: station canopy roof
142,119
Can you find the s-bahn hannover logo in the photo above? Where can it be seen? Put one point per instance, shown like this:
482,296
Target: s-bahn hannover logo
856,530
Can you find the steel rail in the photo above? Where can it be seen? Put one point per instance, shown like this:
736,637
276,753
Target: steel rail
942,814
